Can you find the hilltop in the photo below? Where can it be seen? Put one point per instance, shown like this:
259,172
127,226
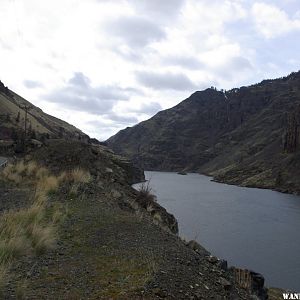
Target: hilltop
247,136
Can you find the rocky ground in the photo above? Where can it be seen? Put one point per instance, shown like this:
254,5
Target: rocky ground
12,197
109,246
107,252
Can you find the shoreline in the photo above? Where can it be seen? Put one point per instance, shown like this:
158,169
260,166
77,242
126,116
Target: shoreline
213,180
248,279
278,189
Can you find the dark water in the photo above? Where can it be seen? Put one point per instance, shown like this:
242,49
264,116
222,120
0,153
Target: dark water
250,228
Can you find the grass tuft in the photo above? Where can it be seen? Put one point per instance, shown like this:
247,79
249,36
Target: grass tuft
80,176
42,238
145,193
48,184
76,178
41,173
32,230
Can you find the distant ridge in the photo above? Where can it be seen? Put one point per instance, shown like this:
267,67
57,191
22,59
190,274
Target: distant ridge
247,136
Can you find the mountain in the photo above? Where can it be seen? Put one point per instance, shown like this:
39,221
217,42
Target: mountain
39,125
247,136
73,227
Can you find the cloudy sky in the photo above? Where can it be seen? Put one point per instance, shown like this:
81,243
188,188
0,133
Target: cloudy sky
103,65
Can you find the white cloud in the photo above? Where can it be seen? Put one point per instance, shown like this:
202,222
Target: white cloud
129,58
165,81
135,31
272,21
79,95
32,84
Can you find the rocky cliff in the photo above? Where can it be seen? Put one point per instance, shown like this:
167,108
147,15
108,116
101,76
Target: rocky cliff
247,136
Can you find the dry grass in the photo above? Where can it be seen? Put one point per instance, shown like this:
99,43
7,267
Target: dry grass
12,248
14,177
29,230
63,177
32,173
8,170
80,176
145,193
41,173
76,178
57,216
20,167
20,172
48,184
74,189
24,231
40,198
32,168
42,238
32,230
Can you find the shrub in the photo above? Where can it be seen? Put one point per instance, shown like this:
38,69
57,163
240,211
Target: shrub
145,193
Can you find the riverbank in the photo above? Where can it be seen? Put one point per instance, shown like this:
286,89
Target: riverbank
226,219
239,183
252,178
245,178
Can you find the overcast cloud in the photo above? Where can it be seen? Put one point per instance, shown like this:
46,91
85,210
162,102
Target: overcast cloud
104,65
135,31
165,81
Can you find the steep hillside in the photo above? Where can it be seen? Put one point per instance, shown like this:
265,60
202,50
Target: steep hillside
72,227
39,125
247,136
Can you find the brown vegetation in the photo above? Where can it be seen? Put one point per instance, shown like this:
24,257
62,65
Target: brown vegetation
145,193
32,230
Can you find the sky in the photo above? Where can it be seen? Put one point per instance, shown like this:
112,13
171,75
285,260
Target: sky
103,65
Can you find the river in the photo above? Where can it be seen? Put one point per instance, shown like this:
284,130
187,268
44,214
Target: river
251,228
